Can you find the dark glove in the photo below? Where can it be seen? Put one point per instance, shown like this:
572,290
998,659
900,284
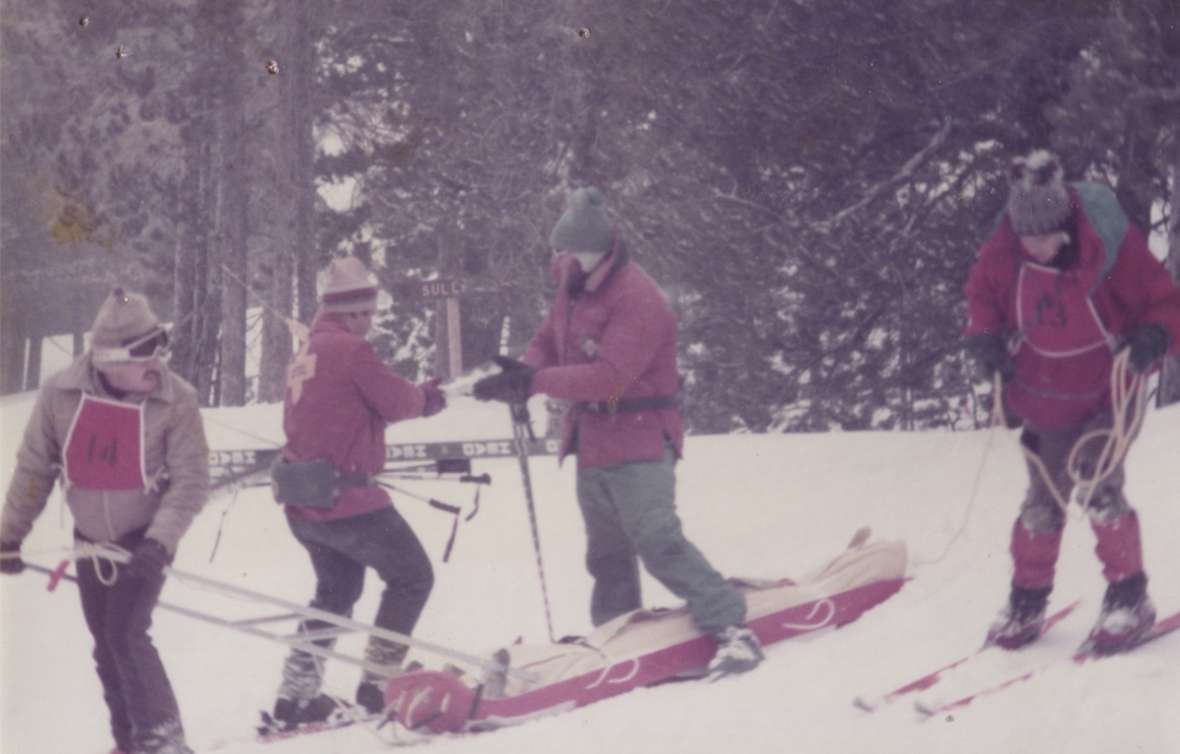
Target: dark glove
512,385
11,562
147,561
990,355
1148,342
436,400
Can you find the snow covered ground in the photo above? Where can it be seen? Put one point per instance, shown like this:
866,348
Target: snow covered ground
763,506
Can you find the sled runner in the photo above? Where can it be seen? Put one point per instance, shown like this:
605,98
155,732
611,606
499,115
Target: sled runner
640,648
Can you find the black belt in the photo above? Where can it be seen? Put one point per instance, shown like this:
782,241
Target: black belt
354,478
630,405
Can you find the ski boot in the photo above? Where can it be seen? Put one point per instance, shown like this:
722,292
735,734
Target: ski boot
165,738
370,696
1127,615
738,651
1022,619
291,713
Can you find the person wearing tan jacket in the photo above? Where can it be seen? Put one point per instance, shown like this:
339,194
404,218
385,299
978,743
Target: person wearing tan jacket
125,436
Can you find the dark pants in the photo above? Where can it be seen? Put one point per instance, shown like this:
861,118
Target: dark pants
134,684
340,551
630,514
1041,511
1037,533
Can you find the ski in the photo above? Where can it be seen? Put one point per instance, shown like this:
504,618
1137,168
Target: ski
344,716
875,702
1162,627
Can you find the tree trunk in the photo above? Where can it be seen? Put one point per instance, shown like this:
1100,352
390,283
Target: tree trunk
297,183
207,275
305,252
231,373
1169,391
33,363
231,246
12,351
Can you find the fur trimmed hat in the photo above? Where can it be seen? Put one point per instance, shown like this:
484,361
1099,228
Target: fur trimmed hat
123,318
346,286
584,226
1038,201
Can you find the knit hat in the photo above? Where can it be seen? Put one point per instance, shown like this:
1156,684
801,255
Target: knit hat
584,225
122,319
1038,202
346,285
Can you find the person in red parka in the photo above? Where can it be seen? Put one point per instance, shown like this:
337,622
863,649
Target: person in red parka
339,399
1064,283
608,347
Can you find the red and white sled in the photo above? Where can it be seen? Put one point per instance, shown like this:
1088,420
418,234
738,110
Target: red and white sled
641,648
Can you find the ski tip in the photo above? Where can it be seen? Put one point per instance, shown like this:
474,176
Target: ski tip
860,537
864,704
925,710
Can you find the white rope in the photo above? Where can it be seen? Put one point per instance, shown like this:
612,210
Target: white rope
1128,409
996,424
101,553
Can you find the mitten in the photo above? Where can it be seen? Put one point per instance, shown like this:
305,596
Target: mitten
147,560
990,355
436,400
10,560
512,385
1147,342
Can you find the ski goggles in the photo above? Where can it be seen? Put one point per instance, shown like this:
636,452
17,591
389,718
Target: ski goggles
152,345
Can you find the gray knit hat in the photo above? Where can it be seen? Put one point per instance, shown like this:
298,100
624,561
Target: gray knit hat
584,225
122,319
1038,202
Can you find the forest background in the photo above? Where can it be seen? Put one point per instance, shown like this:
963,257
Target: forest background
808,180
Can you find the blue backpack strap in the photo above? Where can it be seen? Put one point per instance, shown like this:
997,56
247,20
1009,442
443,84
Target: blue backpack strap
1106,217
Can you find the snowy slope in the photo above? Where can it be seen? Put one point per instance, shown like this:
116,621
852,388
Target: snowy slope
765,506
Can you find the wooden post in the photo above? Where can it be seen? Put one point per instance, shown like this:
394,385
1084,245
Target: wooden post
445,294
454,339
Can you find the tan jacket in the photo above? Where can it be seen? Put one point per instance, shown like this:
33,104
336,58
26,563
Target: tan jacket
175,453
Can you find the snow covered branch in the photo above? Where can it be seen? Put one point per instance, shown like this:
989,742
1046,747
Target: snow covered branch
903,174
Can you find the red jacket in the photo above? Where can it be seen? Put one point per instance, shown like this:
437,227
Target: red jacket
615,338
339,399
1063,326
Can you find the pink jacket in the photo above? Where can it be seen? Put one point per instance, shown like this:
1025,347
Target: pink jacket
613,339
1063,326
339,399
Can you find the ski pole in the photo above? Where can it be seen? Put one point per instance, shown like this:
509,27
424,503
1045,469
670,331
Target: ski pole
119,555
345,622
245,627
522,433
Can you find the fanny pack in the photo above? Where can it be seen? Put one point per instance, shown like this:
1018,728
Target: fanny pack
312,484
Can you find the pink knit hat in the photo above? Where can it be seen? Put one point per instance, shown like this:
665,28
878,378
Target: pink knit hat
346,285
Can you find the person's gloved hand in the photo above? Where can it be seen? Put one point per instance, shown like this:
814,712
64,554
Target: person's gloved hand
436,399
11,561
990,355
1147,342
512,385
147,560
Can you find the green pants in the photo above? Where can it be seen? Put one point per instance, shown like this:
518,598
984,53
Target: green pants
630,514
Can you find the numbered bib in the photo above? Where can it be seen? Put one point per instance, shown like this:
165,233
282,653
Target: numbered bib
1055,318
104,447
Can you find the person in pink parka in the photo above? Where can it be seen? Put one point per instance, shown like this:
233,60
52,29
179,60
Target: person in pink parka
608,348
1063,285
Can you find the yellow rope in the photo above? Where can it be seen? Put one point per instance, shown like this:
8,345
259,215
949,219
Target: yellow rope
1128,400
